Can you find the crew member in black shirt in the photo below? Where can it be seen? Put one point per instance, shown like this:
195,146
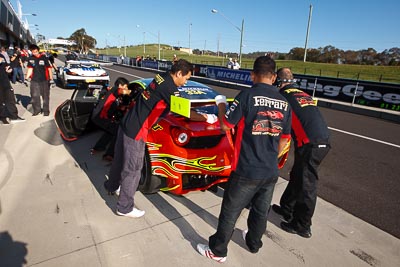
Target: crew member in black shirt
132,134
310,135
263,117
41,75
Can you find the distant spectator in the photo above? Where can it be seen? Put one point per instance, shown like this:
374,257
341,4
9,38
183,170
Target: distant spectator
229,65
5,54
175,59
24,55
235,64
8,106
70,56
16,65
139,61
52,58
121,59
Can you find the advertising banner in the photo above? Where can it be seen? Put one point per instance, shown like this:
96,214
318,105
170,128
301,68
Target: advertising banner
150,64
372,94
235,76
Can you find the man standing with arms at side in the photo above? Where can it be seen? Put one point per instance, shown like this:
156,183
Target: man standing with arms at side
41,75
311,140
132,134
7,98
263,118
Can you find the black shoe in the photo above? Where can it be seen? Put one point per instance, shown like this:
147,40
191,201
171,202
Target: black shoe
110,192
252,250
278,210
291,228
46,113
108,157
35,113
5,120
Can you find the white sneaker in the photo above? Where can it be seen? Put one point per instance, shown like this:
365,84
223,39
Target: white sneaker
117,191
19,119
135,213
206,252
244,233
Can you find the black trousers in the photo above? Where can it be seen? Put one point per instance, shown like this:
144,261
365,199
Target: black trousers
8,106
300,196
40,90
239,193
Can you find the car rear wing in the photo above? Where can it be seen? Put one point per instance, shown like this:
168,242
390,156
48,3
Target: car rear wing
182,106
82,62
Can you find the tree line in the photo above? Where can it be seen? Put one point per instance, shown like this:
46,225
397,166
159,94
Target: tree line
331,54
327,54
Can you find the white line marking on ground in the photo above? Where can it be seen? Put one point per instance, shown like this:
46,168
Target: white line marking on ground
124,73
365,137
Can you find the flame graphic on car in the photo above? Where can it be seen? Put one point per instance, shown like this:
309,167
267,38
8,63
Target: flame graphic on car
166,164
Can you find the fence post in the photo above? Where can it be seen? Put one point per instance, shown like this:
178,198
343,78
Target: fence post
380,78
320,72
355,93
305,71
315,87
337,76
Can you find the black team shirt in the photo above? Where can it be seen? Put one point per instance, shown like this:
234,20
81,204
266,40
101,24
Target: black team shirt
150,105
308,125
262,116
40,66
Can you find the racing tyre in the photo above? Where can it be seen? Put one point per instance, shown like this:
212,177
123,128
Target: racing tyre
149,184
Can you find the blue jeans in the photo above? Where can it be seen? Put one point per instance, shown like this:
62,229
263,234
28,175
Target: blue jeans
241,192
17,72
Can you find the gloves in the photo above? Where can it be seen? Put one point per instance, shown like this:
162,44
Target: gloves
220,99
52,83
211,118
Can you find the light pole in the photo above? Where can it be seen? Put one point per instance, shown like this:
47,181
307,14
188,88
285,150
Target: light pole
144,44
241,30
308,32
158,38
83,38
124,47
190,31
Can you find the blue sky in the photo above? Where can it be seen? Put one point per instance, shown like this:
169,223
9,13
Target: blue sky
268,25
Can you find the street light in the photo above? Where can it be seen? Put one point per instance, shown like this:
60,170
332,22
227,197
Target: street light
120,41
307,34
29,14
190,30
158,37
144,44
241,30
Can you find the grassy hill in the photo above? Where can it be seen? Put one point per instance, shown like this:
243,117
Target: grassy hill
387,74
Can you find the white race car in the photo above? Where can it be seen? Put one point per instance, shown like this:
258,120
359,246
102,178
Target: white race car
78,72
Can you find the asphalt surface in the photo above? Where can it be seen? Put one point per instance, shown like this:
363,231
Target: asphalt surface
54,211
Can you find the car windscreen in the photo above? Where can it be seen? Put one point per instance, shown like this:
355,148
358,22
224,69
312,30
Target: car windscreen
194,93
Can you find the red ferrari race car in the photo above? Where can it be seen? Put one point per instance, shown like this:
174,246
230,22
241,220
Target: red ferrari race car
181,155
